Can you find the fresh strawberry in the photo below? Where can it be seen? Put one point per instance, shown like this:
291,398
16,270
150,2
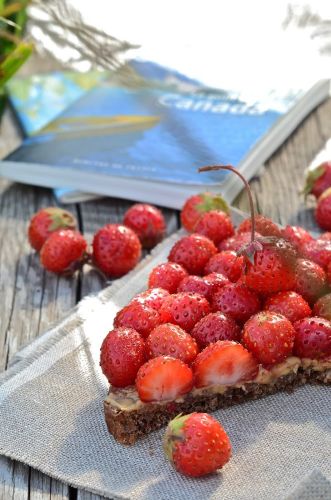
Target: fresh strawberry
310,279
196,284
184,309
167,275
312,338
153,298
290,304
236,242
216,281
197,205
140,317
171,340
196,444
269,337
273,269
116,249
318,179
237,301
224,363
322,307
323,210
63,252
122,354
45,222
227,263
147,222
328,273
325,236
215,225
318,251
192,252
263,225
163,379
215,326
296,235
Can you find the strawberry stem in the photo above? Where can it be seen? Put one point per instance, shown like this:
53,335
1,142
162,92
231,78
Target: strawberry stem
248,190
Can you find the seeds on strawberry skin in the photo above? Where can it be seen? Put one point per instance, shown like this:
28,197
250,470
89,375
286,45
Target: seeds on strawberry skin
318,251
310,279
215,326
290,304
47,221
263,225
197,205
171,340
184,309
163,379
236,242
296,235
167,275
192,252
312,338
147,222
322,307
153,297
323,210
196,444
140,317
215,225
63,252
227,263
236,301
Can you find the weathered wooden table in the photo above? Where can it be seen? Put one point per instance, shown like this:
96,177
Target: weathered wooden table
32,299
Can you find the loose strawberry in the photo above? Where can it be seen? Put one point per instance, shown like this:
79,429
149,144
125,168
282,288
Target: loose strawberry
167,275
153,298
269,337
196,444
116,250
47,221
163,379
122,354
171,340
318,251
224,363
139,317
236,242
312,338
192,252
215,225
297,235
63,252
263,225
197,205
184,309
215,326
323,210
310,279
318,179
290,304
237,301
227,263
147,222
322,308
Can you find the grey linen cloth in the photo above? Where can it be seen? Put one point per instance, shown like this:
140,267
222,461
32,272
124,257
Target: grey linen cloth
51,417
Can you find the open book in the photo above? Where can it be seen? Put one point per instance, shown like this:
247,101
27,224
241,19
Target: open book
147,144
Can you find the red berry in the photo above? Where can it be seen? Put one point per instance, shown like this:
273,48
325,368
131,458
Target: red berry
167,275
195,284
323,210
215,225
196,444
116,250
263,225
236,242
227,263
122,354
325,236
312,338
290,304
63,251
328,273
318,179
197,205
237,301
322,307
273,269
318,251
184,309
163,379
192,252
269,337
215,326
140,317
296,235
310,279
171,340
224,363
47,221
153,298
147,222
216,282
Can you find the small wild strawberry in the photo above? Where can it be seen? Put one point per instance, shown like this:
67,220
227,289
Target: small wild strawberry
263,225
147,222
312,338
215,326
167,275
290,304
227,263
296,235
184,309
318,179
153,297
139,317
192,252
196,444
318,251
197,205
236,301
171,340
63,252
236,242
215,225
47,221
310,279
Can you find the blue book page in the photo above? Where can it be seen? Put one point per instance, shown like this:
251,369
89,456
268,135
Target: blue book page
151,134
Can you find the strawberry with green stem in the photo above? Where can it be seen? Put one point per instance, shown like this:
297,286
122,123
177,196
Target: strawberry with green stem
47,221
318,179
199,204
